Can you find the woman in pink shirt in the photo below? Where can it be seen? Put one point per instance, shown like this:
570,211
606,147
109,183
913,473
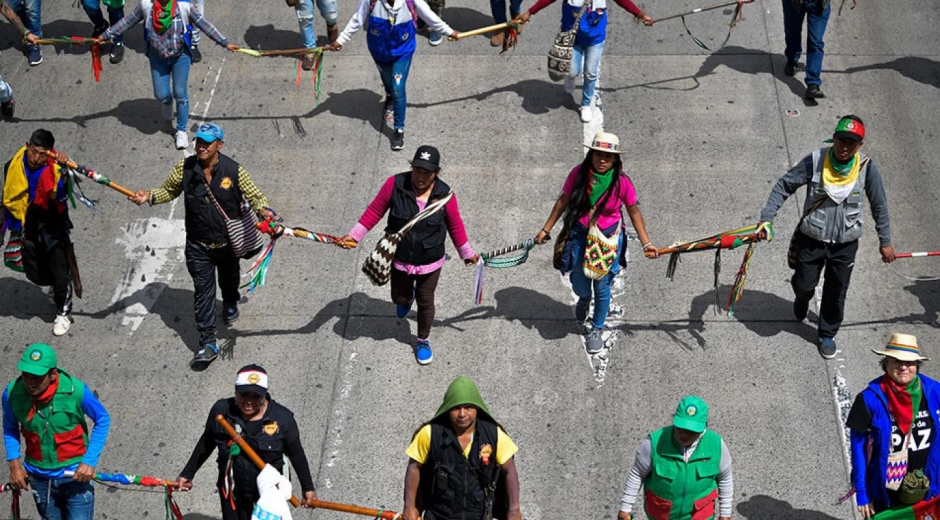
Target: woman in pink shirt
420,255
598,183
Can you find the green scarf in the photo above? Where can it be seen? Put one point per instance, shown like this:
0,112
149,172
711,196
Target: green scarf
461,391
163,13
842,168
601,183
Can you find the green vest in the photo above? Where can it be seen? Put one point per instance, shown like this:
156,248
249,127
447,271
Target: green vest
57,435
679,490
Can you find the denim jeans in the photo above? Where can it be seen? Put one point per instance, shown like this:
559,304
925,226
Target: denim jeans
394,78
585,287
588,58
177,68
202,264
6,91
93,10
498,7
30,11
304,9
199,5
816,20
63,498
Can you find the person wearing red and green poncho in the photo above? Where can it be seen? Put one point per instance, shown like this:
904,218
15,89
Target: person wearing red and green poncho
697,459
893,425
35,210
49,406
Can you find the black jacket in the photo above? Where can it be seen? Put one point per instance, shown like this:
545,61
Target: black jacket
204,223
424,244
278,437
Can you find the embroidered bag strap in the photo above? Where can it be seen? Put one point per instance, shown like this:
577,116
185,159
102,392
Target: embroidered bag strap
214,201
577,19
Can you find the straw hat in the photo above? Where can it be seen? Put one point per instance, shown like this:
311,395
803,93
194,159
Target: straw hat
902,347
605,142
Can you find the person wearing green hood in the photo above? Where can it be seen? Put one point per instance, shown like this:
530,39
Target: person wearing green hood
684,469
459,460
828,232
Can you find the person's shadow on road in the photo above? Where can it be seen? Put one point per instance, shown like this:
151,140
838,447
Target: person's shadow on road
921,70
763,507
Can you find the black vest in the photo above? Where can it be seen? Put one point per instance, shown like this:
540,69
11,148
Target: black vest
424,244
204,223
454,487
268,442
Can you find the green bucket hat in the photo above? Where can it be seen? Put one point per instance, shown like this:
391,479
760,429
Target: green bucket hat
38,360
461,391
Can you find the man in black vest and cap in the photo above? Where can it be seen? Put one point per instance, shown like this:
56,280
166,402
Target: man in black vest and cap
201,178
457,462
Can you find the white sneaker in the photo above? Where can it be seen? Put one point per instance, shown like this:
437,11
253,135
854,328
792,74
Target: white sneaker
587,113
61,325
569,85
182,140
168,111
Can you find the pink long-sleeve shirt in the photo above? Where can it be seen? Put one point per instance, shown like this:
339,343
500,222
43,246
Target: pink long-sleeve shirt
452,219
626,4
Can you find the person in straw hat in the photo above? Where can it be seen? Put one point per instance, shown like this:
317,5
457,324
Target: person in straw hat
893,425
593,194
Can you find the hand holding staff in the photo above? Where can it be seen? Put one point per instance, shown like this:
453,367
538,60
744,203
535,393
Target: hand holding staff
61,158
379,514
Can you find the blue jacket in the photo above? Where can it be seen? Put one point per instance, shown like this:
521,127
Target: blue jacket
868,473
593,27
391,35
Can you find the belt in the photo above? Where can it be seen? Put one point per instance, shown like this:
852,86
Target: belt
211,245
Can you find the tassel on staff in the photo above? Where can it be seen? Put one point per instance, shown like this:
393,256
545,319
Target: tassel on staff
93,175
96,66
490,260
15,502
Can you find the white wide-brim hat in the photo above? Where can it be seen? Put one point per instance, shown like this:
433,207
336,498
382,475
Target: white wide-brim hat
605,142
903,347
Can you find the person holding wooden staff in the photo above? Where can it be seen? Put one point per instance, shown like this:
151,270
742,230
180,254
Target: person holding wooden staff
589,41
420,256
48,407
215,188
590,203
391,38
270,431
35,210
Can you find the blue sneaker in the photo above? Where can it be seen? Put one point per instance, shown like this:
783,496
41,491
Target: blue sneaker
402,310
423,353
230,315
436,38
827,347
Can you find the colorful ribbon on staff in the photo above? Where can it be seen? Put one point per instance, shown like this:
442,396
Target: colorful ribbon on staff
96,67
490,260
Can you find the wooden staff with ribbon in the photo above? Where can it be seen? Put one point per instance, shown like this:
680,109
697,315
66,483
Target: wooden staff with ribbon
258,271
317,68
95,176
749,235
96,66
380,514
696,11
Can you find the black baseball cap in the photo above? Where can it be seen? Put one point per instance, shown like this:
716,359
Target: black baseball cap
428,158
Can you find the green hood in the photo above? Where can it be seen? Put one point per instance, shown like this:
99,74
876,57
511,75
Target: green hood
461,391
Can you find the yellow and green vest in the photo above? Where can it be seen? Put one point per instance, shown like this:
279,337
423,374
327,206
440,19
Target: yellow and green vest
56,436
680,490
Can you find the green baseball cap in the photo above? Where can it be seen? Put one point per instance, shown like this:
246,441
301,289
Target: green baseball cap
692,414
38,360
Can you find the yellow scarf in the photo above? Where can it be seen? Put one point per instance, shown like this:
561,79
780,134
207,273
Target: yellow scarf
839,186
16,187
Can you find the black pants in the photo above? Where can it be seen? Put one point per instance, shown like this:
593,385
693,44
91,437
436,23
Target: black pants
812,256
202,264
45,266
421,288
244,503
